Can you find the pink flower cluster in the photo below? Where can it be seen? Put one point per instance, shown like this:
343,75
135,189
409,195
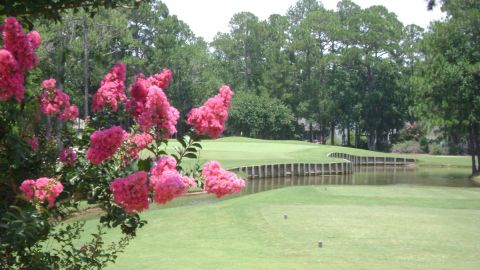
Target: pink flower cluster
112,89
149,104
55,102
166,182
210,117
219,181
162,79
135,144
104,143
142,140
33,142
131,192
68,157
42,189
16,57
158,113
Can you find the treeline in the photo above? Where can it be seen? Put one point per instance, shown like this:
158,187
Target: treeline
306,74
347,69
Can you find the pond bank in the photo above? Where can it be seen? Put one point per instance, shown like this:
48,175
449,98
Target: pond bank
331,168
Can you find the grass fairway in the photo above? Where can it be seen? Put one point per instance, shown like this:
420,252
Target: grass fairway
362,227
238,151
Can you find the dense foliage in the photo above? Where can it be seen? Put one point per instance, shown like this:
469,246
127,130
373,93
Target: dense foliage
448,80
51,161
351,71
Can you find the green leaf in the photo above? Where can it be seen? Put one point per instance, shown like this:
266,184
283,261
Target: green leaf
144,165
190,155
191,149
182,142
198,145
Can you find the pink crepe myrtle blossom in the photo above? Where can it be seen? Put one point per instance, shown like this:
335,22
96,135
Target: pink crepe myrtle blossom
219,181
139,90
163,164
35,39
189,181
210,118
112,89
17,56
33,142
49,84
131,192
166,182
169,185
69,113
19,44
104,143
42,189
11,77
162,79
68,157
158,113
54,102
142,140
28,188
134,144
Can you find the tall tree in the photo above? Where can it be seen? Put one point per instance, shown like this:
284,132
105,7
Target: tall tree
448,81
380,35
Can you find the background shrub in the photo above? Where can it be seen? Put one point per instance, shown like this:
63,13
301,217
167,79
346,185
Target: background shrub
407,147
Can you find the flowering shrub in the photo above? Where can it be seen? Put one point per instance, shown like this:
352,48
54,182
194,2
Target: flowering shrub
105,169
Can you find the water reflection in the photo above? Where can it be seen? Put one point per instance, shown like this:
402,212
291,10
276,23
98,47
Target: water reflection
452,177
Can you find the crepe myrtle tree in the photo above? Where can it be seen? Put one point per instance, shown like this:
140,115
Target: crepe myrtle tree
118,168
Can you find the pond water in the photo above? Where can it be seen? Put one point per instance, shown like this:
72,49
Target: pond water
451,177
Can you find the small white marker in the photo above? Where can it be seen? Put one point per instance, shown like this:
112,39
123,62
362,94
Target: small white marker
320,244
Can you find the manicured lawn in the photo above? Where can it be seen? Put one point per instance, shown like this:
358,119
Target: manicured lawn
362,227
238,151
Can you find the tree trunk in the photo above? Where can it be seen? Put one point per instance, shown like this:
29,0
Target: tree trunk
477,144
472,149
245,70
85,68
372,140
348,135
311,131
357,136
332,133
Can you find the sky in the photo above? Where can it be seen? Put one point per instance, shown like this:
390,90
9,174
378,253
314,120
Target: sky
207,17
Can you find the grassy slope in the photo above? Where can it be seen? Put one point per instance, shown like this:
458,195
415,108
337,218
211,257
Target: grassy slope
237,151
362,227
